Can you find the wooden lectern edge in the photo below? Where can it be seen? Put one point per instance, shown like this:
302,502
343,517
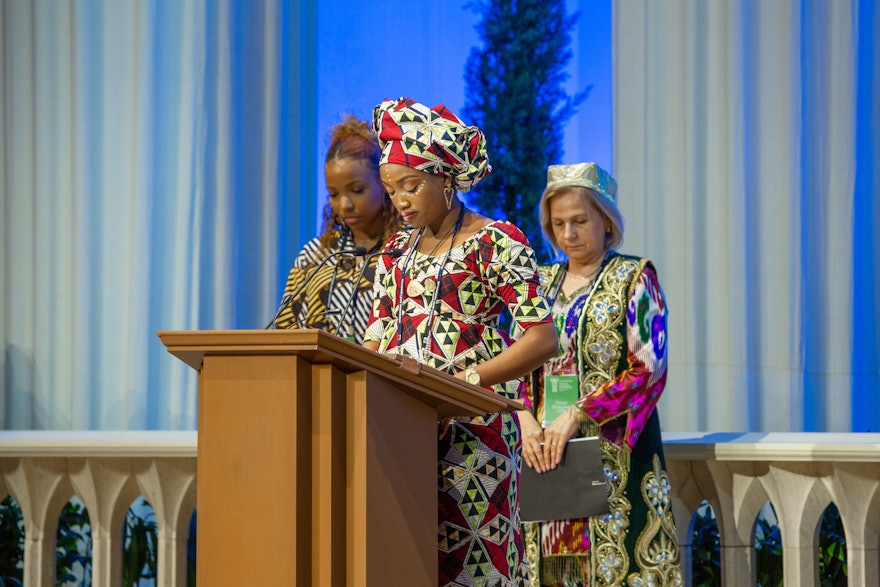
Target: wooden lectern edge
410,365
191,347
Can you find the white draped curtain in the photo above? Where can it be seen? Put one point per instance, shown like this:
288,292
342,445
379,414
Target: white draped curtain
150,151
746,139
159,165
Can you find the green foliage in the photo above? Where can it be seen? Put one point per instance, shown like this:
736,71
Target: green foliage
832,549
73,554
74,546
706,548
73,550
11,543
768,547
515,94
140,545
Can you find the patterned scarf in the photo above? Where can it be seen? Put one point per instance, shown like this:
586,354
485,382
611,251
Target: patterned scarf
431,139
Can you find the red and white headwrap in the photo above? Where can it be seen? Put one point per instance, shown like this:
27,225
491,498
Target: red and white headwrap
431,139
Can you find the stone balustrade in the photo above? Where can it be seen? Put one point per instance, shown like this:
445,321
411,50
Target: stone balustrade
737,474
800,474
107,471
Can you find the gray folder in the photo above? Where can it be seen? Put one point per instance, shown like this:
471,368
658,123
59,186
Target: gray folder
576,488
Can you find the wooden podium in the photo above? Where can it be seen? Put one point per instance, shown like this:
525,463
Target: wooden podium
317,458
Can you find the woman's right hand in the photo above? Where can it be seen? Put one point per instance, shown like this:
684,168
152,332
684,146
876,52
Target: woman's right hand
557,435
532,438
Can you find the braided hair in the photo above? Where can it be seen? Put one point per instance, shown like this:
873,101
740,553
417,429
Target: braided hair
355,140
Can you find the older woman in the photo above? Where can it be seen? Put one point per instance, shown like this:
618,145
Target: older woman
608,373
440,303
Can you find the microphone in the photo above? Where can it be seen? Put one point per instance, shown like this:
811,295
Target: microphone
288,299
393,253
323,314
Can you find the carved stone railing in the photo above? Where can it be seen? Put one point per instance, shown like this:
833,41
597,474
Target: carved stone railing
737,474
800,474
107,471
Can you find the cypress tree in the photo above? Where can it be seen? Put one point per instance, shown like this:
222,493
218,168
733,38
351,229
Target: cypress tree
515,94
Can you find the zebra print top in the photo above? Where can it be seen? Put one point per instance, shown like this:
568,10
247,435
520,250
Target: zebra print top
311,307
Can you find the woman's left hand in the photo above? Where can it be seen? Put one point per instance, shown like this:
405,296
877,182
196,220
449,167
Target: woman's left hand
532,438
556,435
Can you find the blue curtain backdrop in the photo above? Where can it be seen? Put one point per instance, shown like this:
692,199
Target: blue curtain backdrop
161,163
865,310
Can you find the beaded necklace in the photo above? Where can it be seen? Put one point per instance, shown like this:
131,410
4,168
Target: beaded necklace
435,294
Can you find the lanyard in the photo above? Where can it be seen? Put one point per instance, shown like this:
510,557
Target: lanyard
402,286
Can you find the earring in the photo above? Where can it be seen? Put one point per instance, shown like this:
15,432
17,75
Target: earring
449,194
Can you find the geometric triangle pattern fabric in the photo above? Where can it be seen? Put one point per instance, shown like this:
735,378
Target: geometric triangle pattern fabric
486,274
433,140
451,326
479,523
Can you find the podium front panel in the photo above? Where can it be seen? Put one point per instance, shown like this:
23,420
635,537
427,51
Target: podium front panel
317,459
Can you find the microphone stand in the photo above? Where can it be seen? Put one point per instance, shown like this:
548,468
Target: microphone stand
325,313
393,253
288,299
285,301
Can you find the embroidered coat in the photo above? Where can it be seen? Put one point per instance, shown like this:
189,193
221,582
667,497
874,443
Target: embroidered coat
618,332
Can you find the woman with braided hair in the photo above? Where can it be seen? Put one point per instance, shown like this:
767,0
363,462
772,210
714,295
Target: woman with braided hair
358,213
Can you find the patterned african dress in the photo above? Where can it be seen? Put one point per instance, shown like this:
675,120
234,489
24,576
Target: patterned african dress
480,534
329,289
612,334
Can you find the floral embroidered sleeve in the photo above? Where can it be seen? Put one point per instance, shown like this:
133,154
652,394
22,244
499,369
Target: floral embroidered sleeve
636,390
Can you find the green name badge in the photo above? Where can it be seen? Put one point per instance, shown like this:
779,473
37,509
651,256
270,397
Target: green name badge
560,392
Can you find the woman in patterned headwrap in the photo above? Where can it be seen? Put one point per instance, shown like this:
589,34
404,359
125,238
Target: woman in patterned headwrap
605,380
358,213
440,303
